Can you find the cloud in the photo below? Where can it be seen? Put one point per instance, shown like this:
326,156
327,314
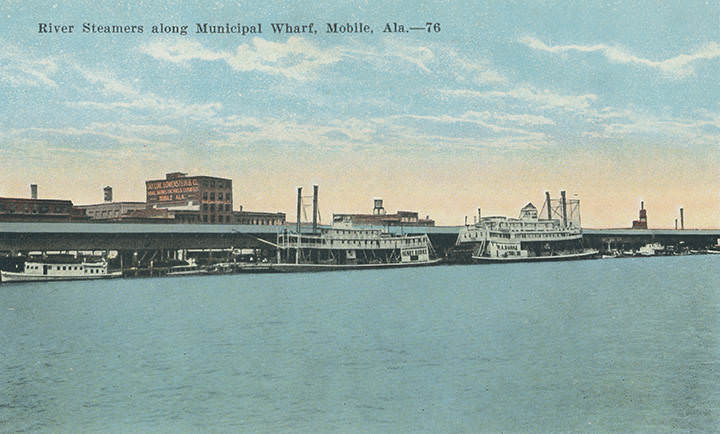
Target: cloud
180,51
480,71
123,134
296,58
18,68
301,59
703,130
542,98
679,66
132,99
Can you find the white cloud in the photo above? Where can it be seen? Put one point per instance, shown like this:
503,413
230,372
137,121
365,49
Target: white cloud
182,50
297,58
480,71
301,59
703,130
18,68
542,98
679,66
133,99
126,135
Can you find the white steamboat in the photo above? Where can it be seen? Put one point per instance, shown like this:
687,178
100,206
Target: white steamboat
529,238
346,247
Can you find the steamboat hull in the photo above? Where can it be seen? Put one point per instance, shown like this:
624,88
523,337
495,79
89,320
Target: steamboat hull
568,257
291,268
9,277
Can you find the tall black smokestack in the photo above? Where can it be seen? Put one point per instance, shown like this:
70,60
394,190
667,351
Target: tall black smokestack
682,219
299,204
547,201
315,207
33,191
564,207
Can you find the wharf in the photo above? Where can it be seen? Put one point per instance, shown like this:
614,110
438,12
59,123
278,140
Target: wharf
24,237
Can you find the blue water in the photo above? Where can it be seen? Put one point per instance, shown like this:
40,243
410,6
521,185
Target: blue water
618,344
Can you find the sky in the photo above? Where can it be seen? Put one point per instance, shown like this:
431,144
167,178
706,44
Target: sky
614,102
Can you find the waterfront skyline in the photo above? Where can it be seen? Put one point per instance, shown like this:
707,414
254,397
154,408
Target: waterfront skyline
614,102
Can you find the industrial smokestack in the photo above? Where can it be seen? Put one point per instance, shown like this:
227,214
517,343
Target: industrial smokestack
564,207
107,194
33,191
547,201
299,205
479,214
642,205
682,219
315,207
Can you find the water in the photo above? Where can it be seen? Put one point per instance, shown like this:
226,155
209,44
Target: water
619,344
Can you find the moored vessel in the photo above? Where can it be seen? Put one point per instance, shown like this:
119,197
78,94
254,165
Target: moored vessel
46,270
343,247
529,238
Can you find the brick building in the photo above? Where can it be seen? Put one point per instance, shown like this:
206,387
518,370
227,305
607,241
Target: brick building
39,210
192,199
380,218
259,218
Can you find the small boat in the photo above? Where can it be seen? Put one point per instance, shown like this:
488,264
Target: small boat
186,270
651,249
37,271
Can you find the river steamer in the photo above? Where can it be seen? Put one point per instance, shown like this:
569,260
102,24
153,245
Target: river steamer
37,271
344,247
529,238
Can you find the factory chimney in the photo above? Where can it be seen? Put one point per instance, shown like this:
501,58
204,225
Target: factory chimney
564,207
107,194
682,219
299,205
33,191
479,214
315,207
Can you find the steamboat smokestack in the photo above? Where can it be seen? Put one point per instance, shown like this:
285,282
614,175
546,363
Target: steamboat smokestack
682,219
107,194
315,207
299,205
33,191
564,207
479,214
547,201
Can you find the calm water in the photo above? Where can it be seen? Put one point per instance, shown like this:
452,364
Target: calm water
619,344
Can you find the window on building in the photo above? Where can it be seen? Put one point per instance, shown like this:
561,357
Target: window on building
212,196
205,207
205,219
204,195
212,207
220,196
212,219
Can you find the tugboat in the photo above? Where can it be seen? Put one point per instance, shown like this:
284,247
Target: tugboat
529,238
